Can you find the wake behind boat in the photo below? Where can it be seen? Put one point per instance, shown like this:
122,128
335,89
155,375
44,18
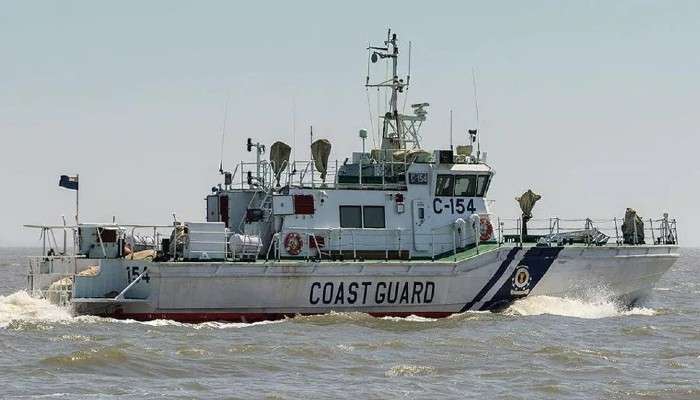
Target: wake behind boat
395,231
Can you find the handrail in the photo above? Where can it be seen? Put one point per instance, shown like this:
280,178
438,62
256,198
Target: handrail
122,228
275,239
300,173
391,238
661,231
56,257
395,233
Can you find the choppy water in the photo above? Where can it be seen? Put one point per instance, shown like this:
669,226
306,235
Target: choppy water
541,347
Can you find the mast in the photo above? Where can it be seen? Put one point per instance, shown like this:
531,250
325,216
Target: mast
396,85
399,131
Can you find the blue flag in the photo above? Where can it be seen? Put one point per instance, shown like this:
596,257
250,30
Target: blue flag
68,182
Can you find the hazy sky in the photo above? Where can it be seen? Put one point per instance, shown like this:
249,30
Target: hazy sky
592,104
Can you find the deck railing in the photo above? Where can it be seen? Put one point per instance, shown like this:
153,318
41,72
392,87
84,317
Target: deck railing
252,175
342,242
438,242
52,276
345,241
661,231
66,263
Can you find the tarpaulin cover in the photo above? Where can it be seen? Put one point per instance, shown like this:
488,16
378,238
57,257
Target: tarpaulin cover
279,156
527,202
632,222
321,149
411,156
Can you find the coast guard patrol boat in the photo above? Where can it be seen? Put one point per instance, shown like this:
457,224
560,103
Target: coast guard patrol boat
396,231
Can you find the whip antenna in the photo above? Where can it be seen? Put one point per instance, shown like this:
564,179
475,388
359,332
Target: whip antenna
223,135
408,77
451,143
294,133
476,109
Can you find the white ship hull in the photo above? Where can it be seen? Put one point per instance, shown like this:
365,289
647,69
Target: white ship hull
196,292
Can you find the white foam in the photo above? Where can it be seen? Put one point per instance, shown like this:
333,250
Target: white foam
345,348
167,322
410,370
410,318
210,325
20,306
589,309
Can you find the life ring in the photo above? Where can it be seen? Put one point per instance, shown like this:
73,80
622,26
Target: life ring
293,243
486,229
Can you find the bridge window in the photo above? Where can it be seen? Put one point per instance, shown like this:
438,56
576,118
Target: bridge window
350,217
359,217
482,185
444,185
465,185
374,216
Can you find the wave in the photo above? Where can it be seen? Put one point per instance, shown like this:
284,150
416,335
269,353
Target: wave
202,325
20,306
410,318
356,316
91,357
570,307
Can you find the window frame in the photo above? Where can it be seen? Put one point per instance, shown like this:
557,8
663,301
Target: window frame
485,187
452,185
473,179
364,217
340,216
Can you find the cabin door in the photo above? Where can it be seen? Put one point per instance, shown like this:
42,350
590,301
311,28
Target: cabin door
223,209
212,208
422,239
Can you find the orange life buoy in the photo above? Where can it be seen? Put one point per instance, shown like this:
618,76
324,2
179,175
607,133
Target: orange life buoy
293,243
486,229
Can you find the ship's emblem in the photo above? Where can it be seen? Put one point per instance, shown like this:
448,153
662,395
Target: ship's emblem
520,283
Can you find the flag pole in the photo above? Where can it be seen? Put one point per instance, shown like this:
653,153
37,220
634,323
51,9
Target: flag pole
77,200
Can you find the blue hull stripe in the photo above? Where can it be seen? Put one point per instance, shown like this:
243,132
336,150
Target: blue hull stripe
537,260
496,276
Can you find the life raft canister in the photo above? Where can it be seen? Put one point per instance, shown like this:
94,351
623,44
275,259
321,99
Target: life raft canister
486,229
293,243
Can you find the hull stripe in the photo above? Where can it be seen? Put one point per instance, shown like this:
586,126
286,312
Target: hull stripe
491,282
537,260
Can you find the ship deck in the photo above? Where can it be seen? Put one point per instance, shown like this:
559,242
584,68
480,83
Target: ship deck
461,255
